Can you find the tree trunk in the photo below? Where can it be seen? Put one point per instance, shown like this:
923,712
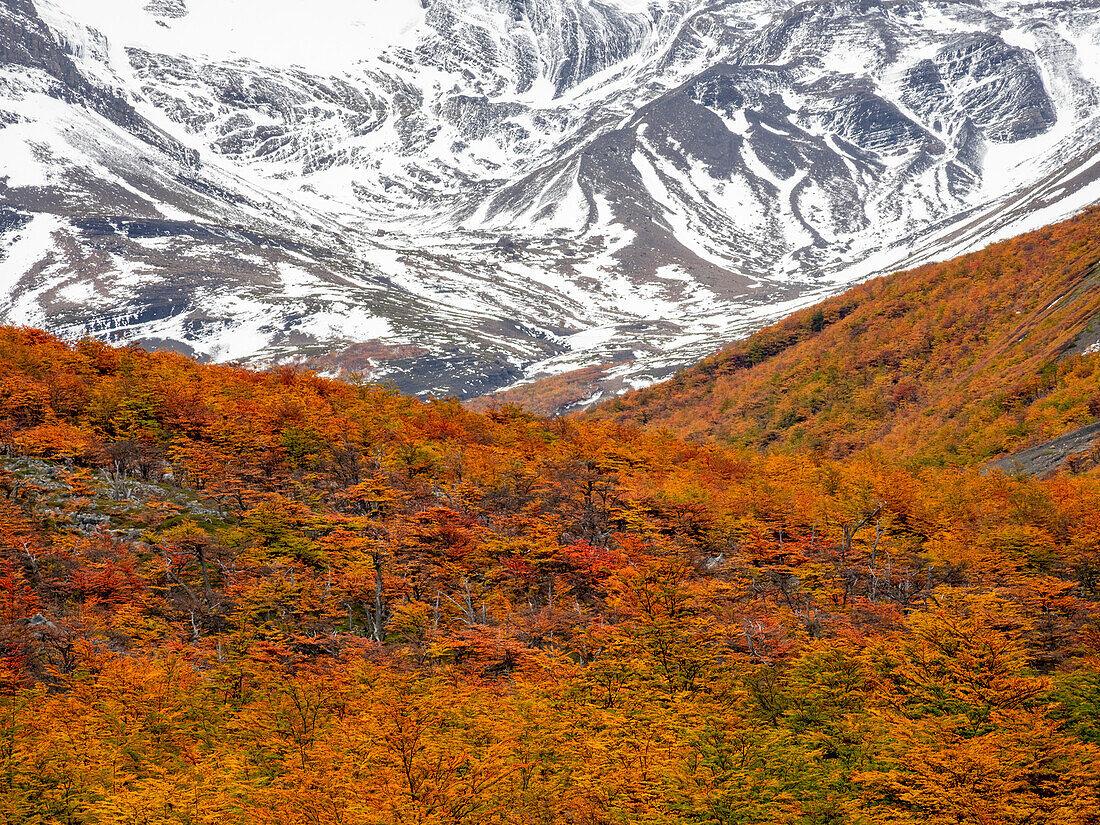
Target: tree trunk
201,553
378,606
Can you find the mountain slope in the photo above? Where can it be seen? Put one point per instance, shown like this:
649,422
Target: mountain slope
480,193
236,596
957,362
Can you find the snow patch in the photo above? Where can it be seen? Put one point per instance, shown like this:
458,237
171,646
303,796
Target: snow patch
321,35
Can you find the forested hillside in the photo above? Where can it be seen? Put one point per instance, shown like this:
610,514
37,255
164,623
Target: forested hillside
267,597
951,363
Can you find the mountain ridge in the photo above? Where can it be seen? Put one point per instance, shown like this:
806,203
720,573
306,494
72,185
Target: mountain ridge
518,207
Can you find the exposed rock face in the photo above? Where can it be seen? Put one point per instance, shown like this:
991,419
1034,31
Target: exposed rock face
501,189
170,9
27,43
1075,451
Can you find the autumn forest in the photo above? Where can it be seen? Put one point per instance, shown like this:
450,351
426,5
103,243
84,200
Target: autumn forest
787,586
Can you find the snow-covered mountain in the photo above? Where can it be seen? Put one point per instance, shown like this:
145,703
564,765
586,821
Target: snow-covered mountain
456,195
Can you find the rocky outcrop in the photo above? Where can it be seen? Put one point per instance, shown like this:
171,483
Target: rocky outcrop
1075,451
